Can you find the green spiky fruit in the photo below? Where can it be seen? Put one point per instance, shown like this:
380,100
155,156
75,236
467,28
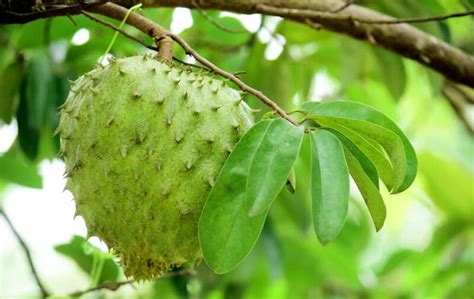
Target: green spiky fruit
143,144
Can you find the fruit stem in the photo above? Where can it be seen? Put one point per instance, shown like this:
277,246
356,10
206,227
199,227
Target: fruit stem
155,31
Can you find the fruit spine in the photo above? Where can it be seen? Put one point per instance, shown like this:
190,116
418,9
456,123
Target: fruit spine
143,143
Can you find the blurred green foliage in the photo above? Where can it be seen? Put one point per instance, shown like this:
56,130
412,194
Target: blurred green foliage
37,59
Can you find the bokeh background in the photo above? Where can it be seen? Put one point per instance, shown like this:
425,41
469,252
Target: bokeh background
426,248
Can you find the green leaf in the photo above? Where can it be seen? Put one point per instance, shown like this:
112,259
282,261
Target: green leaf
10,81
28,134
386,138
35,94
366,164
329,185
357,111
373,152
36,89
83,254
449,184
18,171
271,164
226,233
392,71
368,189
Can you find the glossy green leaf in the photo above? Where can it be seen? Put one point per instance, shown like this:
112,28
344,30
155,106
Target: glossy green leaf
372,150
390,142
368,190
357,111
226,233
15,170
366,164
329,185
10,81
271,164
83,254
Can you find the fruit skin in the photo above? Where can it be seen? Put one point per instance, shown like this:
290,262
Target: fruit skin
143,144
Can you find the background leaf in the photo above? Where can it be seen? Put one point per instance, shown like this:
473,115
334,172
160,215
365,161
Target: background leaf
82,253
15,170
10,81
35,93
392,71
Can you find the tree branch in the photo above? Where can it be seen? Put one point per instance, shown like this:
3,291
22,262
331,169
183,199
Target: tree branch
402,39
459,100
44,292
418,20
155,31
113,286
159,33
116,28
204,14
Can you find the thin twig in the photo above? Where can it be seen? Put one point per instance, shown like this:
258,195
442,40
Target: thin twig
243,86
419,19
116,28
341,17
449,91
44,292
344,6
159,33
468,98
190,64
204,14
71,19
315,26
113,286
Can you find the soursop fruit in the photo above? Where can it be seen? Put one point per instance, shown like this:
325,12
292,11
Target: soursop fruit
143,143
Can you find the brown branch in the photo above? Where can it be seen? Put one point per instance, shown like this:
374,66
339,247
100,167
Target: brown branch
402,39
244,87
344,6
333,15
159,33
190,64
44,292
458,101
155,31
116,28
469,98
419,19
204,14
113,286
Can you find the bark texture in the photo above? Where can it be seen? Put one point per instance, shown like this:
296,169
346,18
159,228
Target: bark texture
403,39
